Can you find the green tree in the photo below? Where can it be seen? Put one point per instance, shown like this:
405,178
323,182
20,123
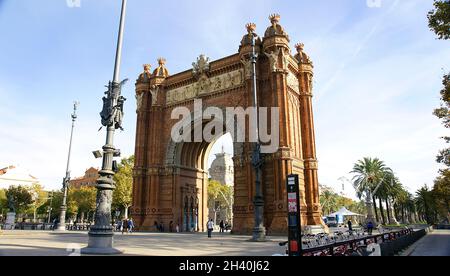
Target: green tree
39,197
21,198
439,19
220,197
439,22
369,173
81,201
53,201
329,201
441,191
3,201
443,113
425,204
123,194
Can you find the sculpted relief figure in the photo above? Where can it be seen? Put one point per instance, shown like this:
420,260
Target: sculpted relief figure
218,83
311,83
201,66
237,78
154,92
204,85
139,99
285,57
248,68
273,58
293,82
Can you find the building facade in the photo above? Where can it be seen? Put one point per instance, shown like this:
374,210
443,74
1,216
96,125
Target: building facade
88,180
170,179
222,169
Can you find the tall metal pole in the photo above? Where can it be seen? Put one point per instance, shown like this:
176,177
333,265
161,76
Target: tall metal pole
66,180
101,234
259,231
50,208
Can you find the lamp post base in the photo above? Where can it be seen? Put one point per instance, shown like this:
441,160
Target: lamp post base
61,227
259,234
101,244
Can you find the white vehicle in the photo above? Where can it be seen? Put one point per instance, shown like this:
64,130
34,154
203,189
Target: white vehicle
331,222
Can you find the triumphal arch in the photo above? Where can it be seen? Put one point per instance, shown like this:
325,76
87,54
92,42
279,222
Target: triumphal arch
170,179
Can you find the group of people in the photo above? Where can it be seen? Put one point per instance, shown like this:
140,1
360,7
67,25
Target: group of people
125,226
369,226
223,227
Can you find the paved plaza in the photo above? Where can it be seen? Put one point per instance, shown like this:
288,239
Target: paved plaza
39,243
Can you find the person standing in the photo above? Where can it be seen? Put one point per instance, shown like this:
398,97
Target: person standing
119,226
130,226
349,223
124,226
370,227
210,227
222,226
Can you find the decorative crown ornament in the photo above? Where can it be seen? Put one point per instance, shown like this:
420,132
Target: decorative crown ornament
274,18
301,55
251,27
147,67
299,47
161,61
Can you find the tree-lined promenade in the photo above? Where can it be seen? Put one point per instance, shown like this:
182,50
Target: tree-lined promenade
32,204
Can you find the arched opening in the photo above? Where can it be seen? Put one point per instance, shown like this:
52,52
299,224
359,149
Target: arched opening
221,182
194,160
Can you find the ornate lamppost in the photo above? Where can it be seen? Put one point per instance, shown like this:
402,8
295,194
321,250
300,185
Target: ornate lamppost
62,217
259,231
101,234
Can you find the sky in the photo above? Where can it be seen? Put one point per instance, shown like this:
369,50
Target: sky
378,73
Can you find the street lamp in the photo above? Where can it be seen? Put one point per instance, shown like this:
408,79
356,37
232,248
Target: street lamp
50,208
259,231
62,218
101,235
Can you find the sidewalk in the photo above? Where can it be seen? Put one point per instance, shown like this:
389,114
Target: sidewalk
39,243
436,243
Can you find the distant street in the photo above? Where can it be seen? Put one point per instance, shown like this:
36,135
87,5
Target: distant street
436,243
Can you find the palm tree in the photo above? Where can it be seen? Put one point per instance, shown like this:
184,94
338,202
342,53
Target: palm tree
424,204
328,200
368,175
394,189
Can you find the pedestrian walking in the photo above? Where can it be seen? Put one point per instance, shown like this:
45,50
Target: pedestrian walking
349,223
178,228
370,228
222,226
210,227
130,226
55,224
124,226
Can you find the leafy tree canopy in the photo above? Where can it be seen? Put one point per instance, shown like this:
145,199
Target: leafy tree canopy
439,19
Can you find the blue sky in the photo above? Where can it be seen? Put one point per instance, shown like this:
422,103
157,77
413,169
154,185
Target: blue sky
378,74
